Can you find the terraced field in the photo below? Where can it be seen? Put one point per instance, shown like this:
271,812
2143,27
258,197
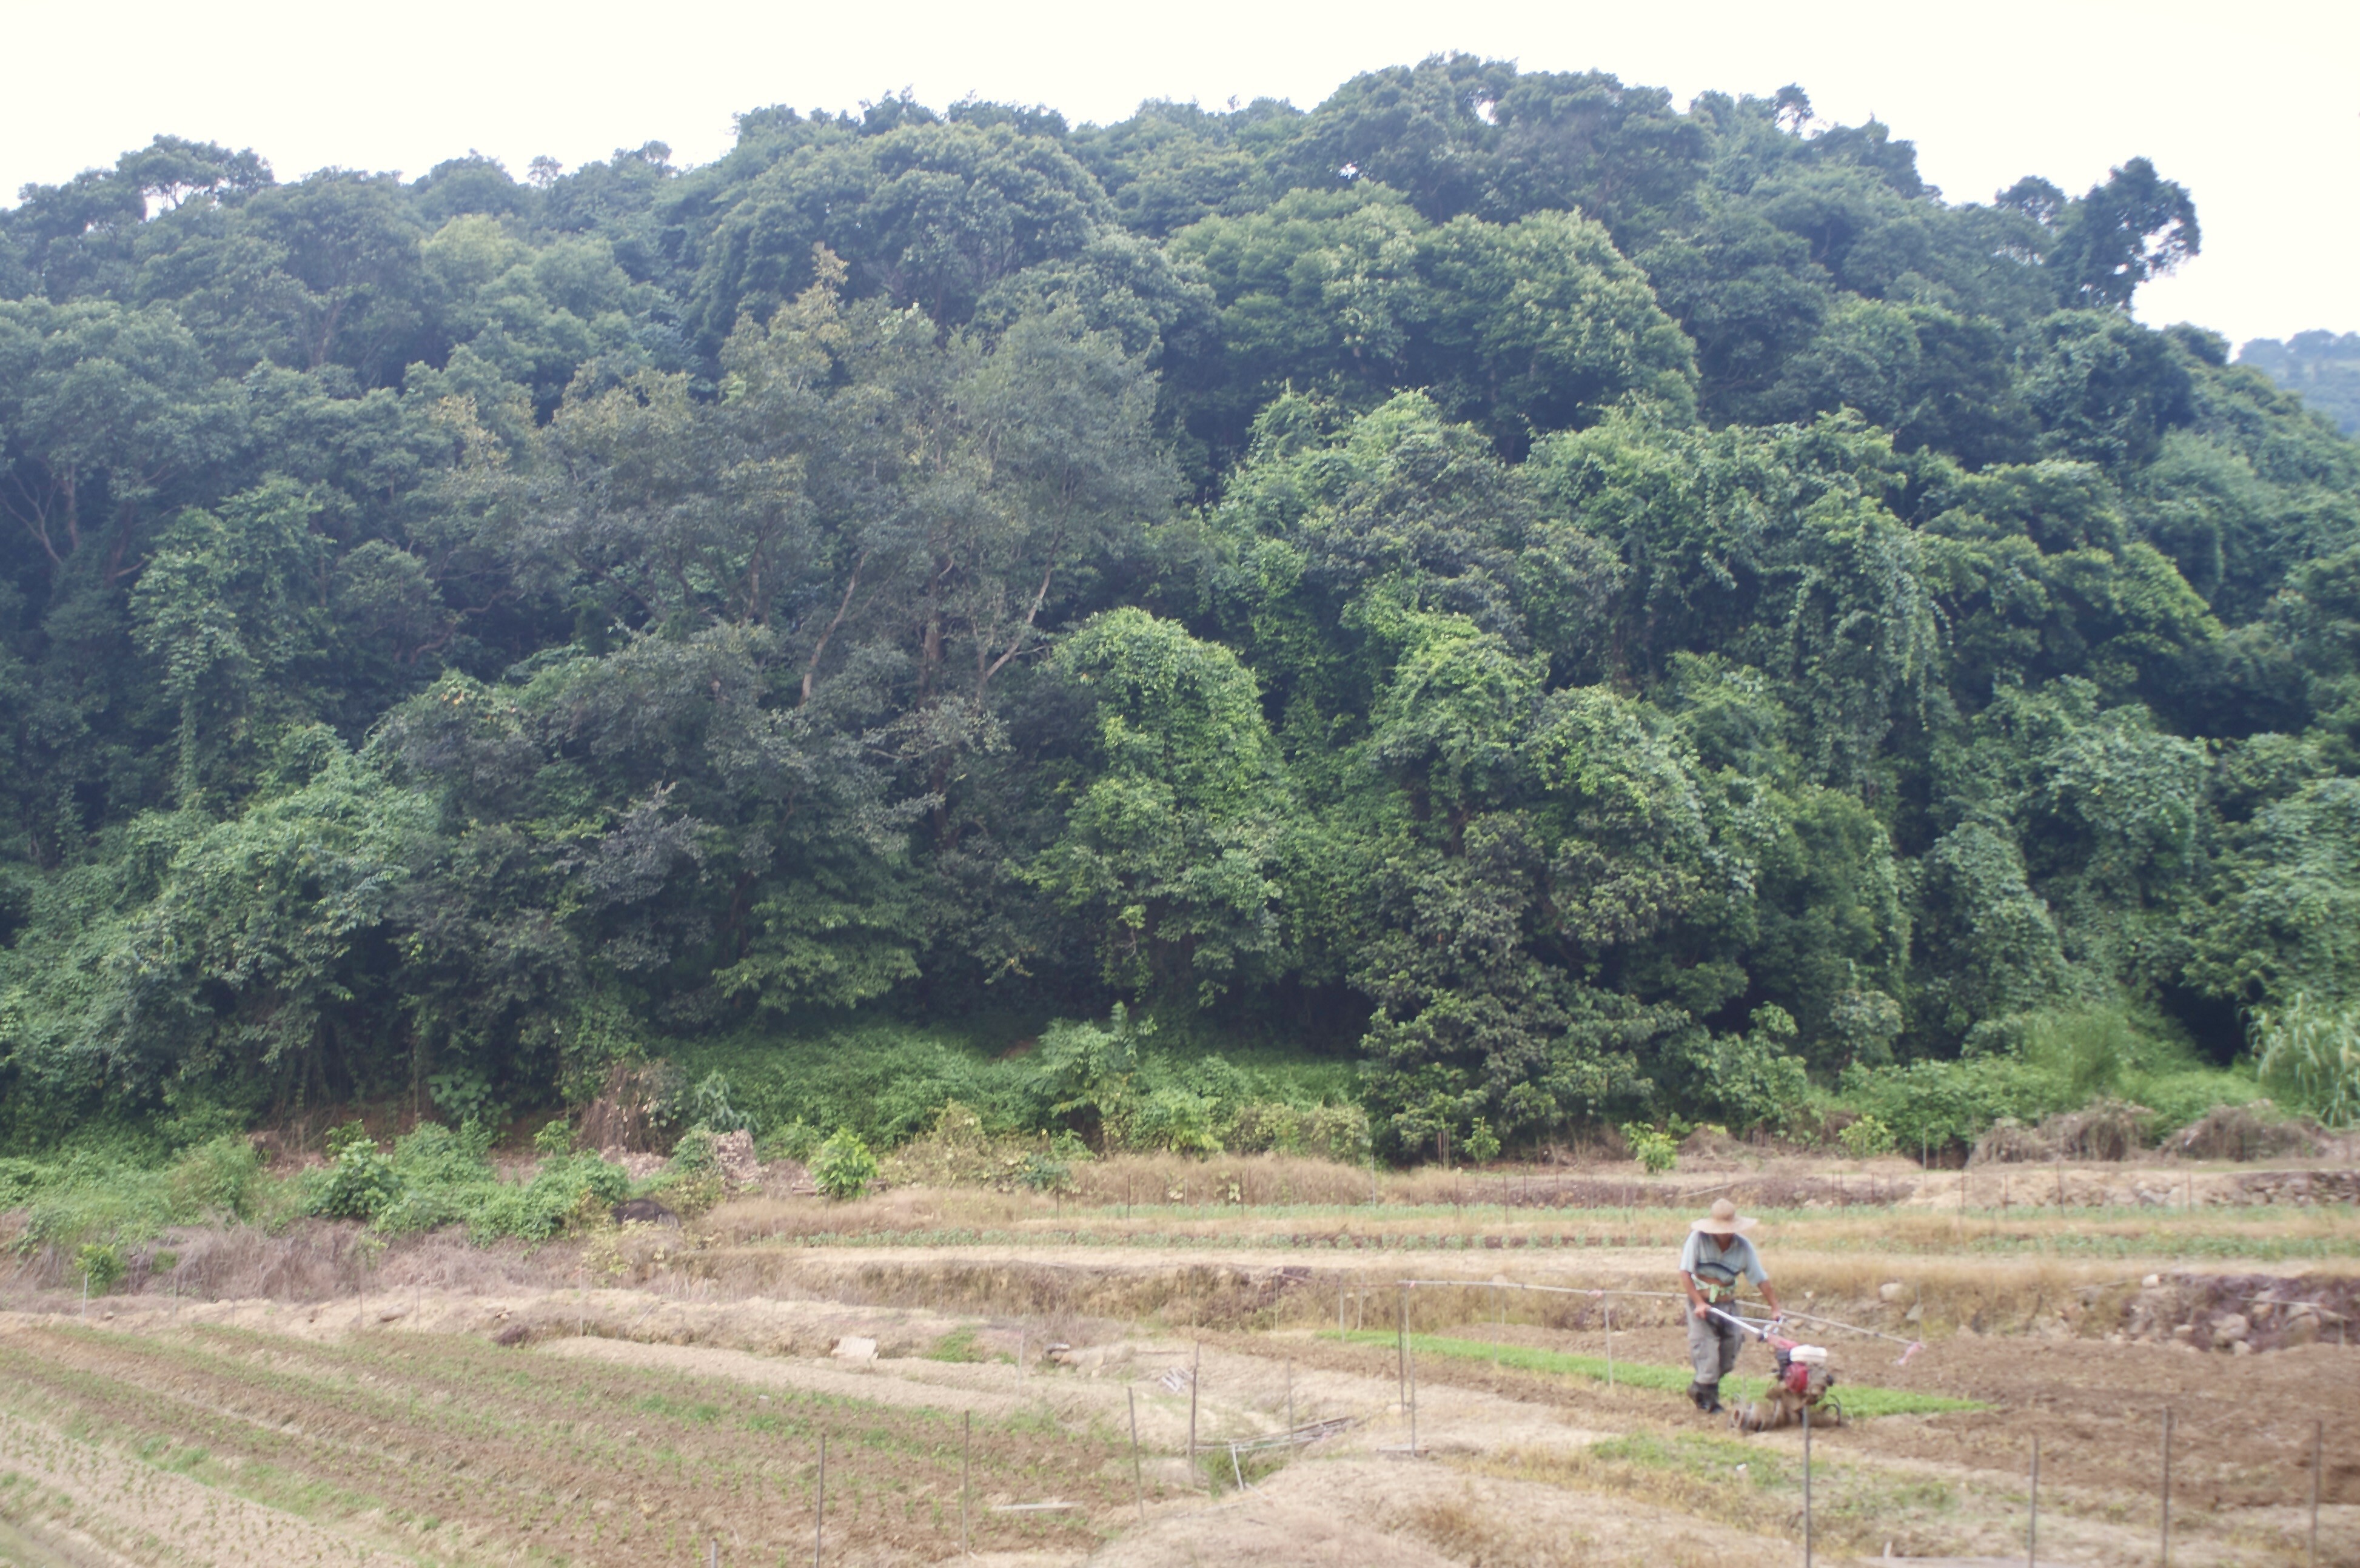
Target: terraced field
677,1413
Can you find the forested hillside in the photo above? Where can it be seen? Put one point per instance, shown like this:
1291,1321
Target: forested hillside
1596,609
2323,366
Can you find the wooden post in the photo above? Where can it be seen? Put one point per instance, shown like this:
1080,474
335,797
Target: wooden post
1138,1485
1609,1343
2167,1486
712,1552
2032,1529
1499,1322
1290,1393
819,1520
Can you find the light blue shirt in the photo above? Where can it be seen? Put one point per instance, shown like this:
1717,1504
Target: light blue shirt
1710,1264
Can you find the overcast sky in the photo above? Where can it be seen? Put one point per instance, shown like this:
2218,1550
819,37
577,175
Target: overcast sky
2254,107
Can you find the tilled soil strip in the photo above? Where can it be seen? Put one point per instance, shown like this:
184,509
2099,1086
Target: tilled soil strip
454,1438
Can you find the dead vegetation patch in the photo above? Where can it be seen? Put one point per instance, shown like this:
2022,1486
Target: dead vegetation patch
2246,1132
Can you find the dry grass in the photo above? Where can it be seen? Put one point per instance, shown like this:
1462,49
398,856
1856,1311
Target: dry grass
1470,1529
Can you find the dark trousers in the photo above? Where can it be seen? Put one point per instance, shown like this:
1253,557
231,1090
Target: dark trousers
1713,1345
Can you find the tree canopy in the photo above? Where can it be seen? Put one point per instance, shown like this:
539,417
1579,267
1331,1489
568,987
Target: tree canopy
1588,606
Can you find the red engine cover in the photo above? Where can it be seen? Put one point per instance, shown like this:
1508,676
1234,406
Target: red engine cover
1799,1378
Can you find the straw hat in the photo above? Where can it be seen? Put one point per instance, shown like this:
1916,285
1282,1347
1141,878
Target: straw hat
1723,1219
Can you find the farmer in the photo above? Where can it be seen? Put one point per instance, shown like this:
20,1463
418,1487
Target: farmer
1717,1253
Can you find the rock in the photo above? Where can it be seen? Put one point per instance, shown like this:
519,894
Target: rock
514,1334
1915,1315
645,1211
853,1347
734,1152
2230,1330
2242,1347
2152,1281
2302,1328
1892,1292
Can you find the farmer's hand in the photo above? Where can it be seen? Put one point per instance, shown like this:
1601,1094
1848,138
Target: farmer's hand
1699,1309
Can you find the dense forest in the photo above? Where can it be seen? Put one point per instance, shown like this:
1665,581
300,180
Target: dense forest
1586,608
2323,366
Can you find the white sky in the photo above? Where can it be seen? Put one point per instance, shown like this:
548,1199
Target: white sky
2255,107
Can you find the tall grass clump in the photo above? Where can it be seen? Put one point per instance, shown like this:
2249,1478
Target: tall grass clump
2034,1065
2308,1053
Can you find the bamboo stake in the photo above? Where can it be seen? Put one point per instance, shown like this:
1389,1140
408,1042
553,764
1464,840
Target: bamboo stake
1807,1486
1400,1351
2318,1458
967,1445
2032,1531
2167,1486
1138,1485
819,1523
1412,1358
1196,1362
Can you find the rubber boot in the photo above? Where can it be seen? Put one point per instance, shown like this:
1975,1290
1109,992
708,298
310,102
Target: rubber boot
1709,1400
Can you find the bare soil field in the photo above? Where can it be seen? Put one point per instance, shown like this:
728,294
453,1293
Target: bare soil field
658,1398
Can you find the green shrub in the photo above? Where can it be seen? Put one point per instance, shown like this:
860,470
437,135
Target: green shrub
1866,1138
465,1094
100,1264
1481,1145
709,1103
555,1138
219,1177
1043,1172
20,1180
693,1154
842,1167
1653,1147
349,1135
361,1185
797,1141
